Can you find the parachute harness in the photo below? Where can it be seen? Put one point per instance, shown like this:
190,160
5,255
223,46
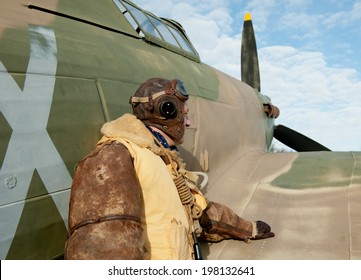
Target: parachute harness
193,210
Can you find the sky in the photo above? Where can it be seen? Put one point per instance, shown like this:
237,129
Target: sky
309,55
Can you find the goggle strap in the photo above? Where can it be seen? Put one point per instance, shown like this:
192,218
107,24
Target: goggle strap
136,99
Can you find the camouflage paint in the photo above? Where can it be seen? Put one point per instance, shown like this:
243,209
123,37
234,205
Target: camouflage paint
333,170
96,70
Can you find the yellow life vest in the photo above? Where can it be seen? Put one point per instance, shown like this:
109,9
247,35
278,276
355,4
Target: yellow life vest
164,220
167,229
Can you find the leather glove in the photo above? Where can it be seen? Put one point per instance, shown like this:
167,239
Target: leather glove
263,231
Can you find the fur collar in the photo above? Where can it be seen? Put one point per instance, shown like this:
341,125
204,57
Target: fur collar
129,128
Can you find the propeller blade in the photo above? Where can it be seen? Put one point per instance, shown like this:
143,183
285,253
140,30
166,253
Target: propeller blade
251,75
249,58
296,140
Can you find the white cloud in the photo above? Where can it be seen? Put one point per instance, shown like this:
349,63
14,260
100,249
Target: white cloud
315,99
344,17
262,12
297,20
297,5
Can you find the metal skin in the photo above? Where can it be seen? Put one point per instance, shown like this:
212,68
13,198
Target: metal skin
64,73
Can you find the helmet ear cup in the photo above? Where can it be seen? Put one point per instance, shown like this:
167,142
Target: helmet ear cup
168,109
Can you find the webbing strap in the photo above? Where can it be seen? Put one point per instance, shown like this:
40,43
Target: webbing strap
103,219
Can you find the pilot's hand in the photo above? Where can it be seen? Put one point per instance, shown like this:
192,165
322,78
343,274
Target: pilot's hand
263,231
271,110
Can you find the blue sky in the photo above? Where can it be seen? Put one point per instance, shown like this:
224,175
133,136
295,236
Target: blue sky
309,52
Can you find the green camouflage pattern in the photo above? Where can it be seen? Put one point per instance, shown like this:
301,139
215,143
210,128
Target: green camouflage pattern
66,67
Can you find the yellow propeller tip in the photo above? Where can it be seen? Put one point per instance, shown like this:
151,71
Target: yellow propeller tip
247,17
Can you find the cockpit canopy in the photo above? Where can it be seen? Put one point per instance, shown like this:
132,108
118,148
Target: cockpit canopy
160,31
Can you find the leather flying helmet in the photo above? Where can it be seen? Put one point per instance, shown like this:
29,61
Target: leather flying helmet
160,103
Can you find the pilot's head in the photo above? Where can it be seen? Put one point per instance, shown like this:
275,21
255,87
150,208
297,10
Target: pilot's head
161,103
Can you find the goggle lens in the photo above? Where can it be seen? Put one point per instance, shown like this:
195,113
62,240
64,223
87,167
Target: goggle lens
181,90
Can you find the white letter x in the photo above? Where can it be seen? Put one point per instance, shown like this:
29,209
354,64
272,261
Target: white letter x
30,145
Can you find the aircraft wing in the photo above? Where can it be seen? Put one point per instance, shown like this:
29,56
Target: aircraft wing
311,200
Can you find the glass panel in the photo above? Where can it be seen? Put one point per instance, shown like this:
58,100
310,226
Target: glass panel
184,44
126,14
156,30
143,21
167,35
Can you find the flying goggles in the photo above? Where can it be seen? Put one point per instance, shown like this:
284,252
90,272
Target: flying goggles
177,89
